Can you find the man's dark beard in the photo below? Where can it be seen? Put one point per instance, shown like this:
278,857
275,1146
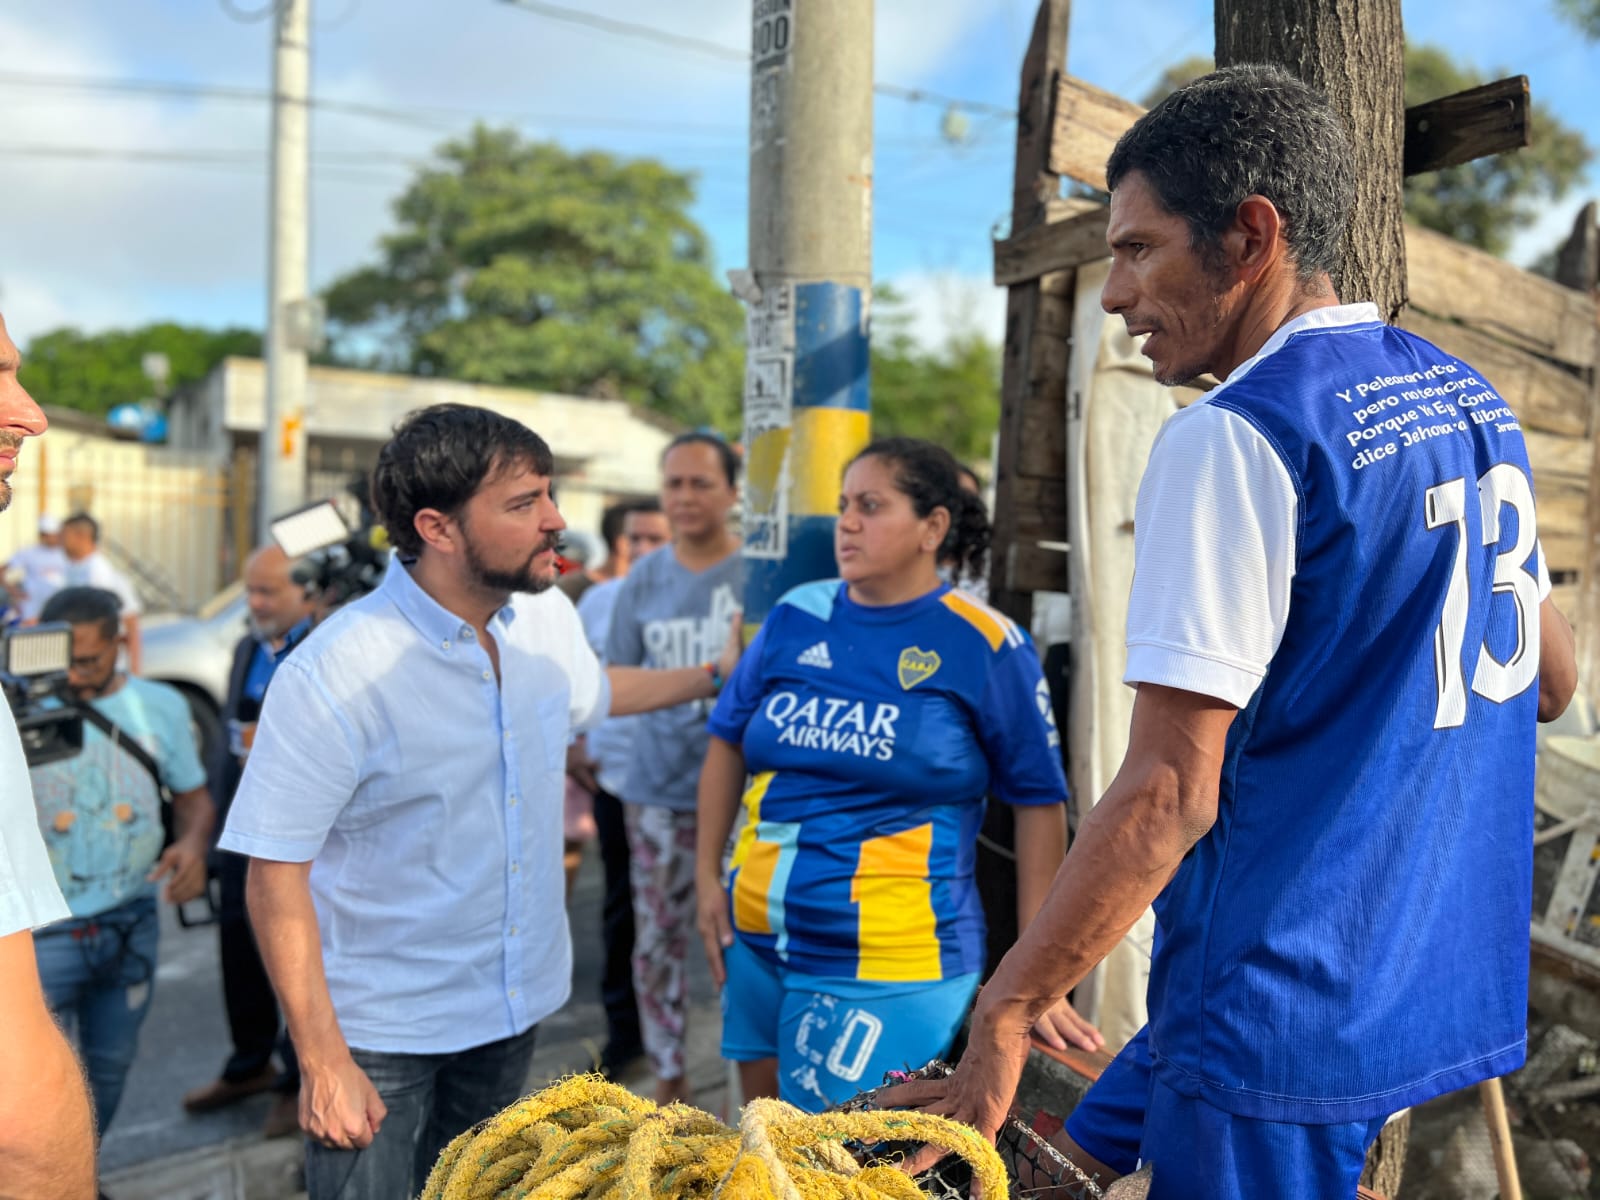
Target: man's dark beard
491,579
8,441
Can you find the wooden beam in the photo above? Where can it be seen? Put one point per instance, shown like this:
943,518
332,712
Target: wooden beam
1476,123
1035,568
1545,397
1441,133
1060,246
1033,368
1578,260
1459,282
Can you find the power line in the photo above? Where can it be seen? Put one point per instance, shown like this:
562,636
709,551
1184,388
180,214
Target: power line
665,37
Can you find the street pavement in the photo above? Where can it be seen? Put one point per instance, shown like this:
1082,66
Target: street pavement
156,1151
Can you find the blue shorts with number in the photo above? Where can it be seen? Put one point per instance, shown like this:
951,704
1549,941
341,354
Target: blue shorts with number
1197,1151
834,1037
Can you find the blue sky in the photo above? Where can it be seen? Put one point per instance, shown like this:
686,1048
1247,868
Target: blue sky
121,239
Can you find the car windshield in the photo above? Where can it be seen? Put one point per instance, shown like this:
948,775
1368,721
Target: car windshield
220,601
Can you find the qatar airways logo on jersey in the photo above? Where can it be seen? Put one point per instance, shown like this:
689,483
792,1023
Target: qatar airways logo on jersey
841,726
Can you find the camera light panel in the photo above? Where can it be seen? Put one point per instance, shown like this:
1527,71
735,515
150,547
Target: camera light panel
310,529
39,650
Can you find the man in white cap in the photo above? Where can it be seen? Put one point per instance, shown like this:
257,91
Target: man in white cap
38,571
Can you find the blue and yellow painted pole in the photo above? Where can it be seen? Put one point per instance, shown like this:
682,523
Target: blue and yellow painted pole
808,290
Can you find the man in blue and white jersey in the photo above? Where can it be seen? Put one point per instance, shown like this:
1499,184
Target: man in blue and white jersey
1341,638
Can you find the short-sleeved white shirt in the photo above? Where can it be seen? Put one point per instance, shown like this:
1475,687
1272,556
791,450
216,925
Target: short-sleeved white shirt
29,896
1214,543
95,570
428,796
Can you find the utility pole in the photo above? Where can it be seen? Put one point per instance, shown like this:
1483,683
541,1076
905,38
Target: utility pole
809,286
291,314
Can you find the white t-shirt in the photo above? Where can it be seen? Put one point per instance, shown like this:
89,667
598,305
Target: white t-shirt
29,896
44,573
95,570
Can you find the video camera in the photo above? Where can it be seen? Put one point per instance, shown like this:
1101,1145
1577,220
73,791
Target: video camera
336,563
34,679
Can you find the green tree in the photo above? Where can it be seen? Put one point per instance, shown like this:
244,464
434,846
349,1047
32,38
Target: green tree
949,395
1584,15
524,264
1483,202
96,372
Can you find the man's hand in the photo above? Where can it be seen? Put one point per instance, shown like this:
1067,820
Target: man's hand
715,931
1061,1026
183,865
339,1107
980,1091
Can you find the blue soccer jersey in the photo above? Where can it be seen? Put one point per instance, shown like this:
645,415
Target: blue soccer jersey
873,734
1341,541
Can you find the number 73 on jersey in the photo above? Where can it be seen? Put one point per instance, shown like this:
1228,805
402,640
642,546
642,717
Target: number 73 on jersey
1504,485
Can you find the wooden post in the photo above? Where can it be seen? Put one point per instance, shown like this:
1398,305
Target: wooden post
1578,267
1030,479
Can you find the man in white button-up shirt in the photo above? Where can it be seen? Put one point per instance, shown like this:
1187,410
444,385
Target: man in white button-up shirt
402,805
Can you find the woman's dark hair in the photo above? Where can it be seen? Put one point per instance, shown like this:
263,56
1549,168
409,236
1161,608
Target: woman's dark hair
85,606
930,477
725,452
439,457
1243,131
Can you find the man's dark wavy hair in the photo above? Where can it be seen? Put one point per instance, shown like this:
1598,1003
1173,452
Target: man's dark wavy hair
439,457
1242,131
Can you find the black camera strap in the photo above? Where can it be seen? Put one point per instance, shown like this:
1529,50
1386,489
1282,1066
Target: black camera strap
143,757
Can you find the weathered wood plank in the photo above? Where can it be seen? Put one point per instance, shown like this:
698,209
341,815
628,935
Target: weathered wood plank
1033,367
1040,509
1089,120
1476,123
1544,397
1459,282
1480,121
1057,246
1558,458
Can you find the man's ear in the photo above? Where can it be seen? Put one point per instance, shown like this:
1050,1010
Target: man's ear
1255,240
435,529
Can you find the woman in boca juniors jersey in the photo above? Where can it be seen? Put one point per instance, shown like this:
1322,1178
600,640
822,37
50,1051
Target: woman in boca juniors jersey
873,714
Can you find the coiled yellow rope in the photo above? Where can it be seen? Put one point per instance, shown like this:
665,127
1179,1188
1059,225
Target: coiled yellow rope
586,1139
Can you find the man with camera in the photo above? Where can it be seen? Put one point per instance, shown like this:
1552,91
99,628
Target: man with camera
402,806
280,611
46,1130
110,841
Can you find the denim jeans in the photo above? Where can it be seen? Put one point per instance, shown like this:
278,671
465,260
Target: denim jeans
98,974
431,1098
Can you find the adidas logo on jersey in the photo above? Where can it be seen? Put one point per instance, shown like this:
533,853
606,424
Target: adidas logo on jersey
817,656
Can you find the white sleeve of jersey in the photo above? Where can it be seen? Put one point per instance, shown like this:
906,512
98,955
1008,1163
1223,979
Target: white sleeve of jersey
1544,575
1214,555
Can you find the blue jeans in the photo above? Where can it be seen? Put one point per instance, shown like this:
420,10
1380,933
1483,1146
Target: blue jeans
98,974
431,1098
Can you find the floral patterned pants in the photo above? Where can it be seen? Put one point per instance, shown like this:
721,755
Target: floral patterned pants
661,866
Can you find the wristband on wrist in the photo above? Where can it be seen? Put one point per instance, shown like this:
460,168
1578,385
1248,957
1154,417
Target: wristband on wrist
715,671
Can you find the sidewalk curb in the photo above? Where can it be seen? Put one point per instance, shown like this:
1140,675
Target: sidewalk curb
246,1168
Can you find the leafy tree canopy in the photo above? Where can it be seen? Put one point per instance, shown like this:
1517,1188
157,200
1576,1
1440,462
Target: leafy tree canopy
524,264
1584,15
949,395
97,372
1483,202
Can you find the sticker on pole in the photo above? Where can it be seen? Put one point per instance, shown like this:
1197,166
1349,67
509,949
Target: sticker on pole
768,414
771,32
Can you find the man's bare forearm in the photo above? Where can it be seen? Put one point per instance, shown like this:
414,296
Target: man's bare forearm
46,1131
285,922
643,689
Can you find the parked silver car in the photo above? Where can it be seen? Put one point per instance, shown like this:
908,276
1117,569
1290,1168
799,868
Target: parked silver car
194,655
